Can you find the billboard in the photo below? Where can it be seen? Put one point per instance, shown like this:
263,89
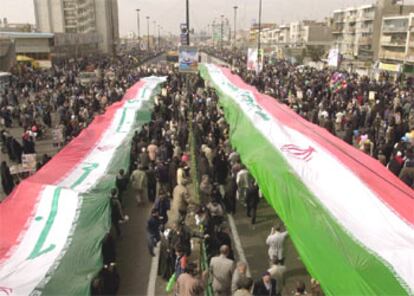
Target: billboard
252,60
188,59
333,57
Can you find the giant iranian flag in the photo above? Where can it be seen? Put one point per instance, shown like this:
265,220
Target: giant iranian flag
53,223
350,219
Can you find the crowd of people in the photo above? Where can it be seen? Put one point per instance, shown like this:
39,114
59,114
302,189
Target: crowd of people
42,101
374,115
184,146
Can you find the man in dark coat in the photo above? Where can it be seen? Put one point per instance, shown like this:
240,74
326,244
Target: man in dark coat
266,286
252,200
6,178
153,231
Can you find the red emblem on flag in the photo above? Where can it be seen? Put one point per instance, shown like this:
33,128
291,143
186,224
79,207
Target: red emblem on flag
297,152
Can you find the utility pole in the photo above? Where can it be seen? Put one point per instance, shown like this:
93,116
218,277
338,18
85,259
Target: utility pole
234,27
159,36
155,33
138,29
187,13
401,7
222,32
213,31
258,39
148,36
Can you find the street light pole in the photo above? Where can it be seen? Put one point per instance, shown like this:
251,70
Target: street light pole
148,36
234,29
258,39
187,13
213,31
221,32
159,36
155,33
138,29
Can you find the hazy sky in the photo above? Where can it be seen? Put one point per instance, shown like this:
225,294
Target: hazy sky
170,13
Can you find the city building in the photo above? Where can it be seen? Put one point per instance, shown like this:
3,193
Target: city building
309,33
397,44
7,54
80,17
254,31
357,30
35,45
5,26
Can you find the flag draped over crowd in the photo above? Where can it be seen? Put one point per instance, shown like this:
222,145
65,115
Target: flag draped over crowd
53,223
350,219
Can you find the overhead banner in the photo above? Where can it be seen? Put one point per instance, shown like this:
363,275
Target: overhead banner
53,223
188,59
350,219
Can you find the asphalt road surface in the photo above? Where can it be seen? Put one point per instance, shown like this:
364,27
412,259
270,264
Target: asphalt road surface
133,259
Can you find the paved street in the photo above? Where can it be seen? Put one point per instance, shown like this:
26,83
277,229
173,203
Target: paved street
253,241
134,262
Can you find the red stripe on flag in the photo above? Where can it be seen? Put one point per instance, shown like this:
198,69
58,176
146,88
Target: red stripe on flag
18,208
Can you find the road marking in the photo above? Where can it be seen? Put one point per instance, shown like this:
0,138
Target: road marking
237,242
153,272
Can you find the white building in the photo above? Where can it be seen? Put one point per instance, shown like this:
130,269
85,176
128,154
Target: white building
80,16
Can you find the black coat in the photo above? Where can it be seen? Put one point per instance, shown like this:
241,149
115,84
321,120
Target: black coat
6,179
259,289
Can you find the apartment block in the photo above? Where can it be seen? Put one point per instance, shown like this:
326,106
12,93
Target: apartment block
80,17
357,30
397,44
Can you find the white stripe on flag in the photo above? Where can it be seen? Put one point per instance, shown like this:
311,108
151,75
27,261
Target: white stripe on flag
352,204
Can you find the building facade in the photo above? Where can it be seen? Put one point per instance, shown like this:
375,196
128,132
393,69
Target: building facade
357,30
80,17
35,45
397,44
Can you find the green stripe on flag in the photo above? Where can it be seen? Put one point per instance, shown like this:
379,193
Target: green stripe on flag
82,260
331,255
38,249
124,111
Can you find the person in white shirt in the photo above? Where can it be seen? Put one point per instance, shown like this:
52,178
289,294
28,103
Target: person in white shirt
277,271
275,242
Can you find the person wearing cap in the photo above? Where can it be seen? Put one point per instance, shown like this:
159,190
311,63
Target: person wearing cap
265,286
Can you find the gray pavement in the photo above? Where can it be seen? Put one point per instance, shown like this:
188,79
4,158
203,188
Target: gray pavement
133,260
253,242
